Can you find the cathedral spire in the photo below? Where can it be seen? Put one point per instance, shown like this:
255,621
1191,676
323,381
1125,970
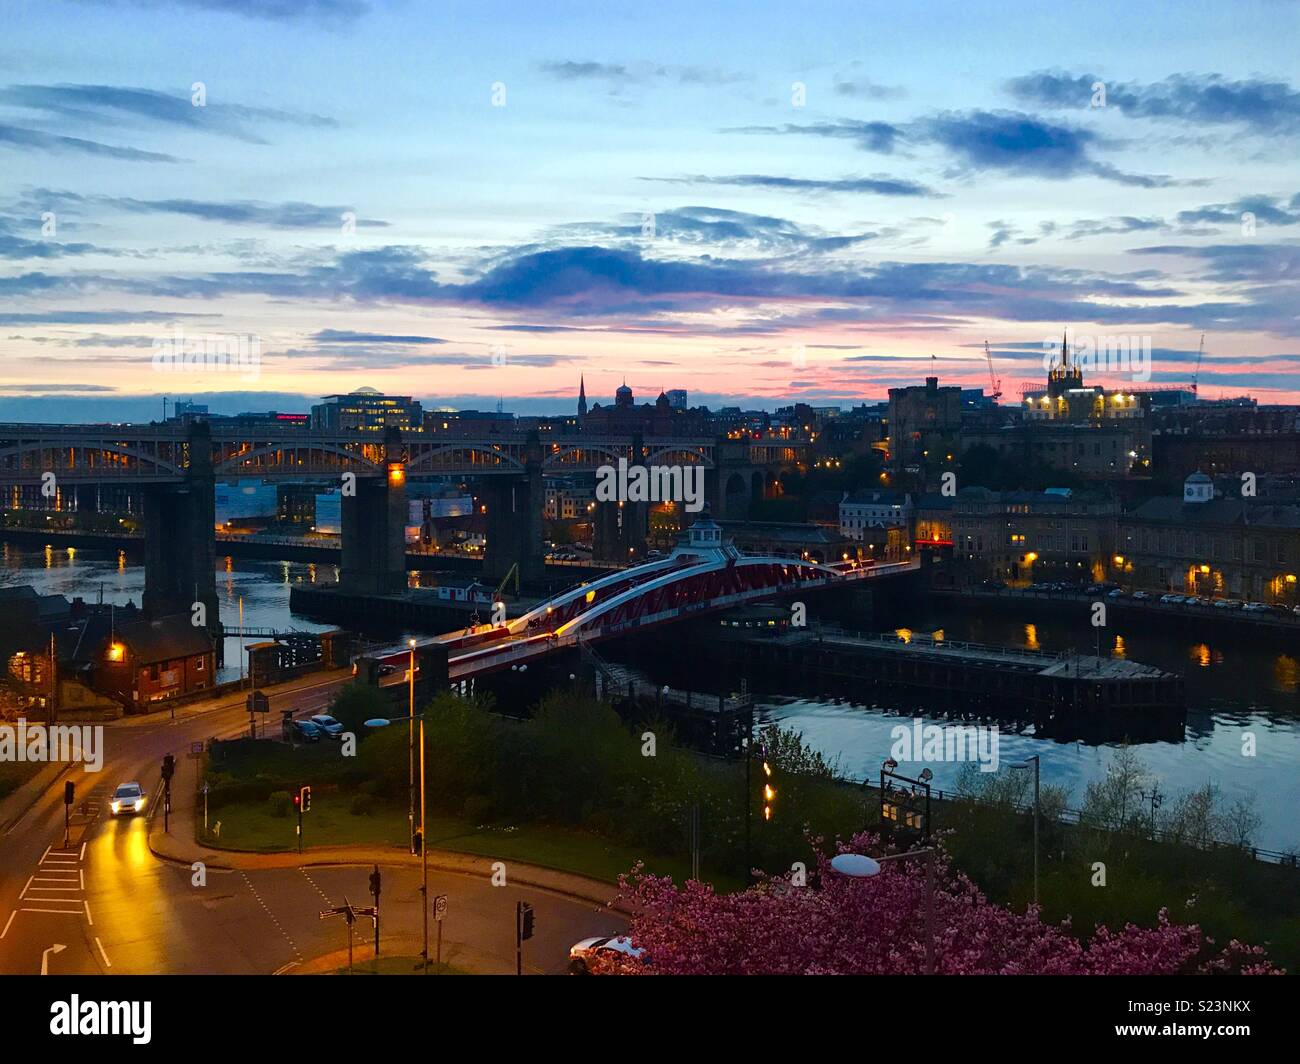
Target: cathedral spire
582,396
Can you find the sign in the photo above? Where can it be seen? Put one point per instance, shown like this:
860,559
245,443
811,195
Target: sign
196,751
440,906
257,702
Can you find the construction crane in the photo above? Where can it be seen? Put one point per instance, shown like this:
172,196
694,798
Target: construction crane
1196,377
993,377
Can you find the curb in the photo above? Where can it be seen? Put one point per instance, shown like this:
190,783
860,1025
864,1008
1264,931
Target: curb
447,861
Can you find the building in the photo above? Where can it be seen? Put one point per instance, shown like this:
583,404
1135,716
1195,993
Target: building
865,510
1056,534
923,419
366,410
143,662
1204,543
568,498
677,399
1074,427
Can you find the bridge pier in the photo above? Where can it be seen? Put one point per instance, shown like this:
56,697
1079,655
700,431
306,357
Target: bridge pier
734,482
619,532
514,526
373,529
179,545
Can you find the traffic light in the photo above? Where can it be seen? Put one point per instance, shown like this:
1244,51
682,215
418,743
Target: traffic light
374,883
69,792
769,792
168,767
304,799
526,920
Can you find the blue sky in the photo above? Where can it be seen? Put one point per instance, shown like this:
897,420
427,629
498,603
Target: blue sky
756,202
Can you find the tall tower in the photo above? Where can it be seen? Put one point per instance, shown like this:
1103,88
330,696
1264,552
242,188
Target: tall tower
582,396
1062,377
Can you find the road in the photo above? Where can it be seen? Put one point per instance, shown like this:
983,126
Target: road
116,909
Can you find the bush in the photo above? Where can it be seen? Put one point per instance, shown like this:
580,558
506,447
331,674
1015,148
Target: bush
279,804
362,805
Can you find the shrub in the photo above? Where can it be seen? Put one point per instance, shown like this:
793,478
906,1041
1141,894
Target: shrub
362,805
279,804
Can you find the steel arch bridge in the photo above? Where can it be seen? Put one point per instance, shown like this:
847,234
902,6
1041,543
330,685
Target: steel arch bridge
661,592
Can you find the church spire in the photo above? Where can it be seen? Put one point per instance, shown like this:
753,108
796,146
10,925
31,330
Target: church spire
582,396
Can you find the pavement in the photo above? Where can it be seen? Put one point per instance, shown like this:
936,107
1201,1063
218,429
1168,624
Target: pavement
125,896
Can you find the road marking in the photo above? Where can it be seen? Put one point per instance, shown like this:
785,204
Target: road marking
51,879
8,922
88,919
47,889
81,875
82,856
268,912
107,962
285,967
45,854
314,884
61,912
26,885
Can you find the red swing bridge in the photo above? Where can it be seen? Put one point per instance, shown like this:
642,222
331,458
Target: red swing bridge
704,574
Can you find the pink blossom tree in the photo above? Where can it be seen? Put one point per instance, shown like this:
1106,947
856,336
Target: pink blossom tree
842,925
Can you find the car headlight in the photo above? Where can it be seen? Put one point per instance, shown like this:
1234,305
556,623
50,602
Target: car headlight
139,804
115,806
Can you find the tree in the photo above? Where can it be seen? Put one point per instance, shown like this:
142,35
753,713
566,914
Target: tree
875,926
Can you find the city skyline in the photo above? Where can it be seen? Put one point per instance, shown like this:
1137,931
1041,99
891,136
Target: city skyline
468,207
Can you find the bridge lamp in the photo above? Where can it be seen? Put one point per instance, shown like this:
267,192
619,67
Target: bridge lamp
116,651
396,474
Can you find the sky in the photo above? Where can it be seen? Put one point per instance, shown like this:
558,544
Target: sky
760,203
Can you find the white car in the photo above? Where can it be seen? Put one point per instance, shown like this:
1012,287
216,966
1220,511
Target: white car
128,799
582,953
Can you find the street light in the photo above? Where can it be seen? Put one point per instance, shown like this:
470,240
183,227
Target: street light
1037,774
860,866
410,751
383,722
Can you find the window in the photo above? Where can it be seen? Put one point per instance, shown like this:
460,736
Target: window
198,663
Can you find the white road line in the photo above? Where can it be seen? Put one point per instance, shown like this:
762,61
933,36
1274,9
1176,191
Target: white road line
81,875
47,890
45,854
25,886
82,856
8,922
107,962
285,967
61,912
88,919
52,879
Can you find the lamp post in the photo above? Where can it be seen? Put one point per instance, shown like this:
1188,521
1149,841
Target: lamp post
1037,775
410,751
860,866
383,722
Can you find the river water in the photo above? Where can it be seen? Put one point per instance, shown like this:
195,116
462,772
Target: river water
1234,688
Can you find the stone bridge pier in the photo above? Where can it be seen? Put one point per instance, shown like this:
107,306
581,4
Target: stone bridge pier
179,544
734,482
373,518
514,520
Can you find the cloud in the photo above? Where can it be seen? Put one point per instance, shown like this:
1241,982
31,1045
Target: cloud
286,215
1237,262
866,89
92,317
621,75
108,104
880,137
324,11
344,336
1255,104
18,137
711,225
1007,141
878,184
1266,209
1017,143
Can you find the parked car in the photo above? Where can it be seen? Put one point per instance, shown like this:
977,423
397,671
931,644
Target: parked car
307,731
1228,604
582,953
1172,600
1141,596
328,725
1254,607
1119,592
127,799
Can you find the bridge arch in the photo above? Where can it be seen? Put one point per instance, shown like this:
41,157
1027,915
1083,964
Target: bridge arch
431,459
93,459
